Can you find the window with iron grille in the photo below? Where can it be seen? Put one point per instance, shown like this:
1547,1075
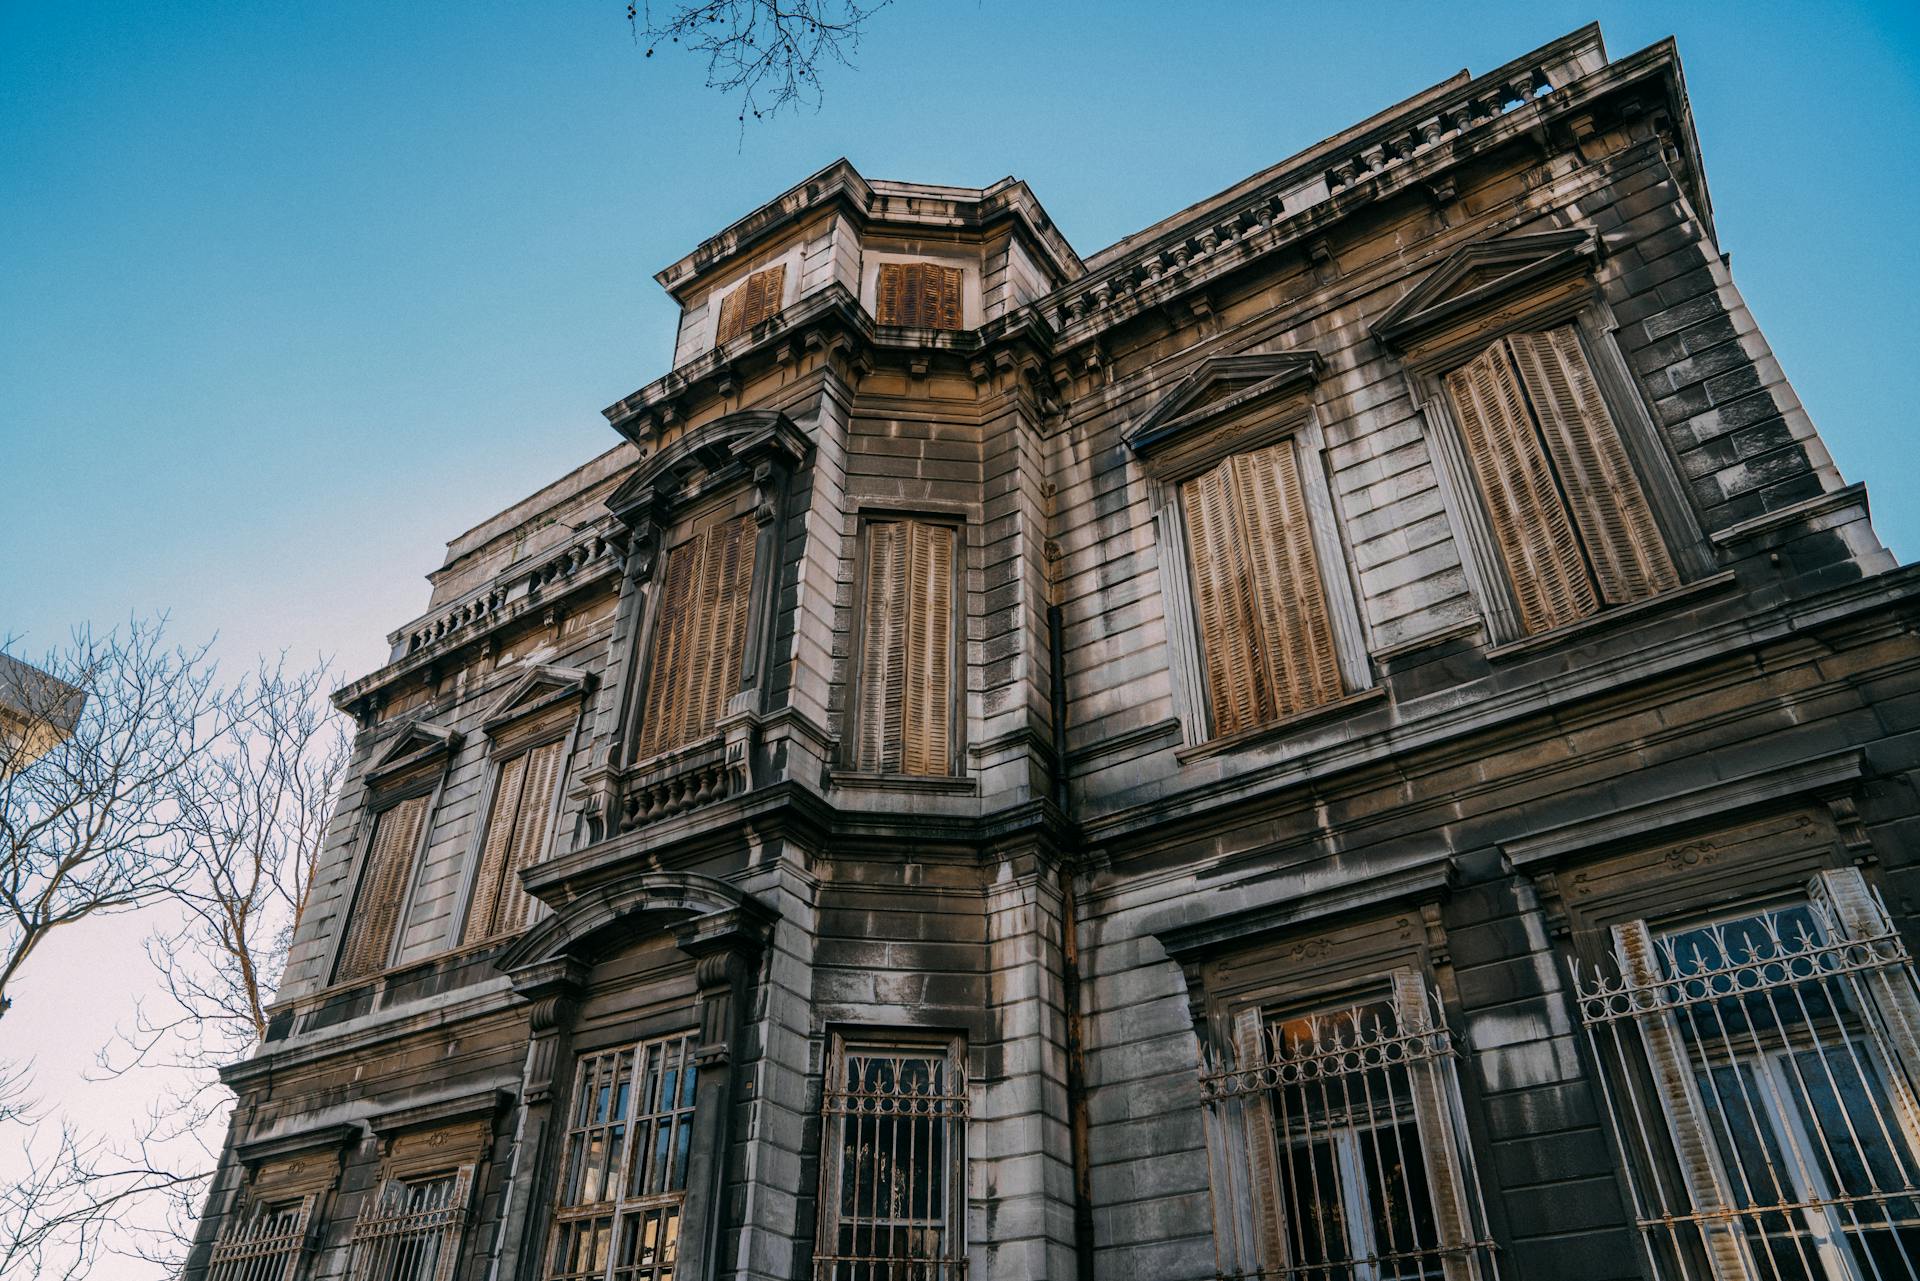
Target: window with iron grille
410,1229
893,1163
1338,1128
1266,636
904,688
1568,515
267,1241
623,1165
1760,1073
515,837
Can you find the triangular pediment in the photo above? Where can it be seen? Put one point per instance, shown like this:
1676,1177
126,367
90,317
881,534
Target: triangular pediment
537,689
416,743
1481,274
1220,387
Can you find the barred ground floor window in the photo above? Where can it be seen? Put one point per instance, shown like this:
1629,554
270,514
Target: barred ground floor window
1760,1069
893,1162
1337,1142
410,1228
623,1164
266,1241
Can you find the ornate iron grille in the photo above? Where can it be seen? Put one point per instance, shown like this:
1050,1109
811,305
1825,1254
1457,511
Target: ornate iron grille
1758,1072
623,1170
1343,1131
893,1169
266,1245
411,1231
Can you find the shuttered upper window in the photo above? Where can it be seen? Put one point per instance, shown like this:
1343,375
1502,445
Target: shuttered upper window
1266,638
699,635
383,887
904,716
758,298
516,834
918,293
1573,527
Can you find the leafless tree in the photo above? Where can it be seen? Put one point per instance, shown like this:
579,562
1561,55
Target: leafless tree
769,52
101,755
248,837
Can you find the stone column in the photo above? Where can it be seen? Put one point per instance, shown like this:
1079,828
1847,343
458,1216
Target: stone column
553,988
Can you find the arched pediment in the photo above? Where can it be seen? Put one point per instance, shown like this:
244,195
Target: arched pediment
705,459
597,921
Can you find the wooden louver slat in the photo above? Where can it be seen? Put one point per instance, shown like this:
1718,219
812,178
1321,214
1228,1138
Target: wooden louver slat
924,294
699,635
1530,524
516,835
904,712
1609,509
383,884
1266,636
758,298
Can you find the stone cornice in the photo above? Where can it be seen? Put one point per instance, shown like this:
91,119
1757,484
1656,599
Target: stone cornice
877,205
1412,148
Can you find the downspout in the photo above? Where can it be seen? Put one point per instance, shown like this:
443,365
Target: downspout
1070,966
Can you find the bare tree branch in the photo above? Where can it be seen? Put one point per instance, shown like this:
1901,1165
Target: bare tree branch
769,52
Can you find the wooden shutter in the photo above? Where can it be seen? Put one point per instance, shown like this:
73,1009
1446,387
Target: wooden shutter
699,635
496,849
1295,632
1432,1087
516,835
383,885
1223,600
925,294
1629,557
1251,1041
904,711
1266,637
758,298
1530,525
1674,1080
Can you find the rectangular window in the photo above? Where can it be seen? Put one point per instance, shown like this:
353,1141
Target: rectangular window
516,835
1266,637
758,298
1767,1061
699,635
1348,1116
925,294
371,924
623,1169
1568,515
266,1241
893,1163
904,718
410,1228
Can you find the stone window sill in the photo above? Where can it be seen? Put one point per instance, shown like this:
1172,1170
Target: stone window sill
1619,615
1261,735
934,784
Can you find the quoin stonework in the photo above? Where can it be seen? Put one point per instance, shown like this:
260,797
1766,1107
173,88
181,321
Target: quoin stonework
1355,734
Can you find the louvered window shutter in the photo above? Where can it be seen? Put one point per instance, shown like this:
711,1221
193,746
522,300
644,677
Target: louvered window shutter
1251,1042
383,884
904,716
1674,1076
1609,509
699,635
757,299
1295,630
1266,636
516,836
924,294
1530,525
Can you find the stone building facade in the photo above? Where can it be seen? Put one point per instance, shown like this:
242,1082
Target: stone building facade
1355,733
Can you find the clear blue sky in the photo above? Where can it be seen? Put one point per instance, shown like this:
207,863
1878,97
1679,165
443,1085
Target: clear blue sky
293,293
